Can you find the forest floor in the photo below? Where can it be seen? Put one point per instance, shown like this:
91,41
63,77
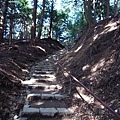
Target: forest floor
94,60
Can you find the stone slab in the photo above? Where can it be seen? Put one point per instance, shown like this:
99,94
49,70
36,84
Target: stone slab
27,110
47,96
52,87
64,111
46,79
59,96
44,75
43,72
48,111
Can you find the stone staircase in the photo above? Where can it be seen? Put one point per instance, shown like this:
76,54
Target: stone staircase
44,99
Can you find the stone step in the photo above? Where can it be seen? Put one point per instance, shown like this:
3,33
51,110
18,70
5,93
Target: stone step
44,66
38,81
47,91
46,96
44,69
42,79
49,103
43,87
44,75
46,111
43,72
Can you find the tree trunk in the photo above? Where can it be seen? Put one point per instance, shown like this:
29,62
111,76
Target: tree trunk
3,18
108,8
11,30
94,7
88,12
115,7
51,19
33,28
41,19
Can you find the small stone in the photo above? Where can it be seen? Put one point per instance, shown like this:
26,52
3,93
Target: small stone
15,117
7,110
10,103
11,115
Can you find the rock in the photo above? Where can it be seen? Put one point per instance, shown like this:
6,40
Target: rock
11,115
15,117
48,111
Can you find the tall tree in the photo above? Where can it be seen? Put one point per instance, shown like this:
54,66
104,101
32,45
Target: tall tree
33,28
108,8
51,19
88,11
41,19
3,18
115,7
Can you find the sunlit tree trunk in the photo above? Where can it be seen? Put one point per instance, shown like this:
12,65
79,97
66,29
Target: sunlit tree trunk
3,18
33,28
51,19
41,19
115,7
88,11
94,7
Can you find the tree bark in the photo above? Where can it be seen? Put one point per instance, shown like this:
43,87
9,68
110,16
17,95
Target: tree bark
3,18
51,19
88,12
41,19
108,8
115,7
94,7
33,28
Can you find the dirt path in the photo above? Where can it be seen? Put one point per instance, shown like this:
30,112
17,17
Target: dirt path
44,99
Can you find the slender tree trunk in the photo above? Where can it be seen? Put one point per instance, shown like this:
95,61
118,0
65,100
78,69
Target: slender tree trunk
51,19
88,12
41,19
33,28
3,18
94,7
115,7
108,8
11,30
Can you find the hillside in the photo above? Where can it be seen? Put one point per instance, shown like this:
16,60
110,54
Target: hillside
95,61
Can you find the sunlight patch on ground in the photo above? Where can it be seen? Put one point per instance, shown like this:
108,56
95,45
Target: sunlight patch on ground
87,98
85,67
25,70
98,65
41,48
109,27
78,48
66,74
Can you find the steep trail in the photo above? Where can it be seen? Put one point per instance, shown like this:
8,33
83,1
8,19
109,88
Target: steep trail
44,98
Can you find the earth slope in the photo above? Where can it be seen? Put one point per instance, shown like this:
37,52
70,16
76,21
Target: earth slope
95,61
